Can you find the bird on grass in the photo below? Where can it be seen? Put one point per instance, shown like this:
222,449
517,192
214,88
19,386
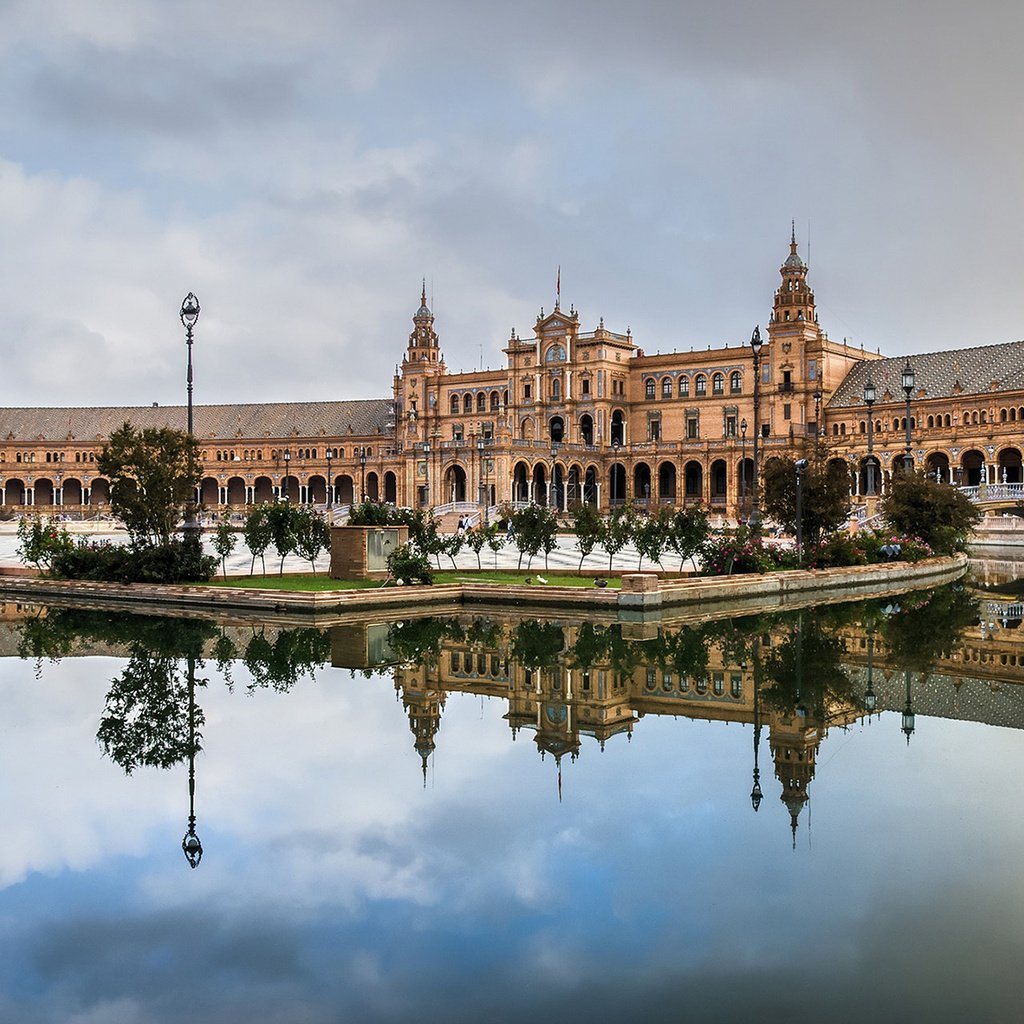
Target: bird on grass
600,581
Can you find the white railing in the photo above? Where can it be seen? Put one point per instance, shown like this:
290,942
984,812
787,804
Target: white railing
994,492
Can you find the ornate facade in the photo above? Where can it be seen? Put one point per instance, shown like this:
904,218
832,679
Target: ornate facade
574,415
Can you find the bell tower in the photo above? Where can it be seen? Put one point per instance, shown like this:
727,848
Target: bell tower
794,300
423,350
416,382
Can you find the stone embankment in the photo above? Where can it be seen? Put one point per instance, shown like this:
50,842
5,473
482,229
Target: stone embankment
643,595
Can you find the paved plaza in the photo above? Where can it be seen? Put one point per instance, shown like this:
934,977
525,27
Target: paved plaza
566,556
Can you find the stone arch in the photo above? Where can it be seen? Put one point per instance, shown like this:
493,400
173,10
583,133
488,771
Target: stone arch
556,429
972,462
936,465
42,491
72,491
15,491
373,487
346,489
667,481
618,427
454,483
616,483
642,482
590,485
390,488
521,482
262,490
99,491
719,482
236,491
587,429
1009,465
693,481
526,428
539,482
209,491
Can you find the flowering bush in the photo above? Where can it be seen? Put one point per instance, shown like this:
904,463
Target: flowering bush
728,556
41,540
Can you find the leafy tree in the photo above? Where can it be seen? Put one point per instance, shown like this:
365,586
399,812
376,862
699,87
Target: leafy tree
825,499
153,474
926,627
535,528
939,514
618,530
483,536
536,645
281,524
652,536
588,525
224,540
41,540
495,537
312,535
689,531
407,564
258,535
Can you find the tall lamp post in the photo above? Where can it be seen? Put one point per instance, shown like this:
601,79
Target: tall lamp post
801,465
743,465
817,396
189,316
869,401
907,382
330,481
426,473
755,511
362,471
287,460
482,450
907,721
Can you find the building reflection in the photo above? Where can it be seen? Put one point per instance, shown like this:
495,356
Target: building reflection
574,686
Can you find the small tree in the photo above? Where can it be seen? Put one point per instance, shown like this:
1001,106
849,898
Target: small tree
689,531
451,546
258,535
937,513
618,531
281,523
653,535
588,525
153,473
409,565
495,537
475,540
825,499
224,541
535,530
312,535
40,540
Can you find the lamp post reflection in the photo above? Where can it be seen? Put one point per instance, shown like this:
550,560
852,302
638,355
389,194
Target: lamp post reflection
907,723
190,844
755,793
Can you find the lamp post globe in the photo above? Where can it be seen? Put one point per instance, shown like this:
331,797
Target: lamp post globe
869,401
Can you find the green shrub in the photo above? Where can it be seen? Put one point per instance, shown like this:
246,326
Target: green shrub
408,565
179,561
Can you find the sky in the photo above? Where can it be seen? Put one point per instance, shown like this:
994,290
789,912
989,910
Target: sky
302,167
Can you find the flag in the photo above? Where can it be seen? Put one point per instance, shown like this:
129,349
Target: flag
558,286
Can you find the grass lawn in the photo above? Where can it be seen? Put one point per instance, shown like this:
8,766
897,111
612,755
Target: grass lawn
307,581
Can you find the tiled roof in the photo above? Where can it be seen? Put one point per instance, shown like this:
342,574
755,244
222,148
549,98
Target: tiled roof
211,422
957,372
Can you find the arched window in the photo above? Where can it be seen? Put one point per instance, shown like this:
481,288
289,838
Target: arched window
718,384
555,354
556,389
684,387
467,403
666,387
863,427
842,429
481,402
700,385
495,401
455,405
736,382
649,387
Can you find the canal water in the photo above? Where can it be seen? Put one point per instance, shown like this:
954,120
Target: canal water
487,819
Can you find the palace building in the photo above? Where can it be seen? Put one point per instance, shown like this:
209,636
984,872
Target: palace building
575,415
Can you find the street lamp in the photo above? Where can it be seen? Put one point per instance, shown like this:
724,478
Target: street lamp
907,383
801,465
481,449
817,396
869,401
287,459
743,465
426,473
870,699
330,480
362,469
755,512
189,315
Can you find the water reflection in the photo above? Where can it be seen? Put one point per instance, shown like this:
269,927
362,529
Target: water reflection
333,886
796,675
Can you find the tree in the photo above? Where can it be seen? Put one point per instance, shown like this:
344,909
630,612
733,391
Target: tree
257,535
311,534
153,474
939,514
689,531
825,498
588,525
618,531
652,536
478,537
535,530
281,524
41,539
224,540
